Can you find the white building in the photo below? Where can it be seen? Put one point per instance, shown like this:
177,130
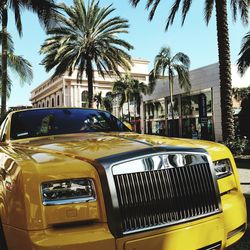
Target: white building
65,91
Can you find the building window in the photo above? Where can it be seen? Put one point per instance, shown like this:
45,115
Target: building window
52,102
43,104
190,103
191,122
58,100
175,108
47,103
85,99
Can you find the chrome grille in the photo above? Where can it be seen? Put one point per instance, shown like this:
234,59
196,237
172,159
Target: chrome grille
162,197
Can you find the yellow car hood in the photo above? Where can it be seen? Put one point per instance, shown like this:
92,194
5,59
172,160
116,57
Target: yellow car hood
91,146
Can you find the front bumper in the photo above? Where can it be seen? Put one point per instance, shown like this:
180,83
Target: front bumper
198,234
94,237
220,230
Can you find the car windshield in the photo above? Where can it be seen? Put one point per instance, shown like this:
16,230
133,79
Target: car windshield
43,122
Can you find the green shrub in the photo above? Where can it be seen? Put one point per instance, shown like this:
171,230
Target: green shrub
237,146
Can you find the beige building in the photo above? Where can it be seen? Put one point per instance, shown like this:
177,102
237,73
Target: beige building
65,91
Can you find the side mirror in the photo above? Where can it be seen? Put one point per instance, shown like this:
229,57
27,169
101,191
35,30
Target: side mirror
128,125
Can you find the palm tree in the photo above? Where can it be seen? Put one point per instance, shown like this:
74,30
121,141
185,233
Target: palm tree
244,59
46,11
122,89
107,101
128,89
88,36
18,65
138,88
166,65
223,45
151,82
98,99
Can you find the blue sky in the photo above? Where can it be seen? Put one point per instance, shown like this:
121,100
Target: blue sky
195,39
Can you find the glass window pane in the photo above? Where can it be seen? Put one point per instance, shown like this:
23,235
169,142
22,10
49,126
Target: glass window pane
44,122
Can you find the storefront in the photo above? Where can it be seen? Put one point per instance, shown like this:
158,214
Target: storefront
155,117
188,121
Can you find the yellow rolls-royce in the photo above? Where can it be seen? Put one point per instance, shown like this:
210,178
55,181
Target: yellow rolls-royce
79,179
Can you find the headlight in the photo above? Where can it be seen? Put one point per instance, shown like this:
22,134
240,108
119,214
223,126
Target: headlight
68,191
222,168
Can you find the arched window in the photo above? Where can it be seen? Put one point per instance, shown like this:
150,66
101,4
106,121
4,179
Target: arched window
47,103
52,102
85,99
43,104
58,100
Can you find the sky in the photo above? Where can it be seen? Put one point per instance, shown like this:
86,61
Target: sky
195,39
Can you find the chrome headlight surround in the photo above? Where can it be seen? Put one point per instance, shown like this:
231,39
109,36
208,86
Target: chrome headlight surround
69,191
222,168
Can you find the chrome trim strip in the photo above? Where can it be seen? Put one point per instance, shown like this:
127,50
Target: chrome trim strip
170,224
237,230
120,168
215,246
69,201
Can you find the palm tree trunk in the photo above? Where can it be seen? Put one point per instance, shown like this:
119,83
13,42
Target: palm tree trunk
171,102
129,109
135,106
89,70
4,57
225,70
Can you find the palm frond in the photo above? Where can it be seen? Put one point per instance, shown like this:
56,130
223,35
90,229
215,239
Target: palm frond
183,59
21,67
16,6
46,10
134,2
185,8
154,4
209,5
234,9
244,60
241,6
151,82
183,77
172,14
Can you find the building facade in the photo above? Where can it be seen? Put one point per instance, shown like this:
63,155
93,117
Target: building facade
65,91
196,114
155,112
